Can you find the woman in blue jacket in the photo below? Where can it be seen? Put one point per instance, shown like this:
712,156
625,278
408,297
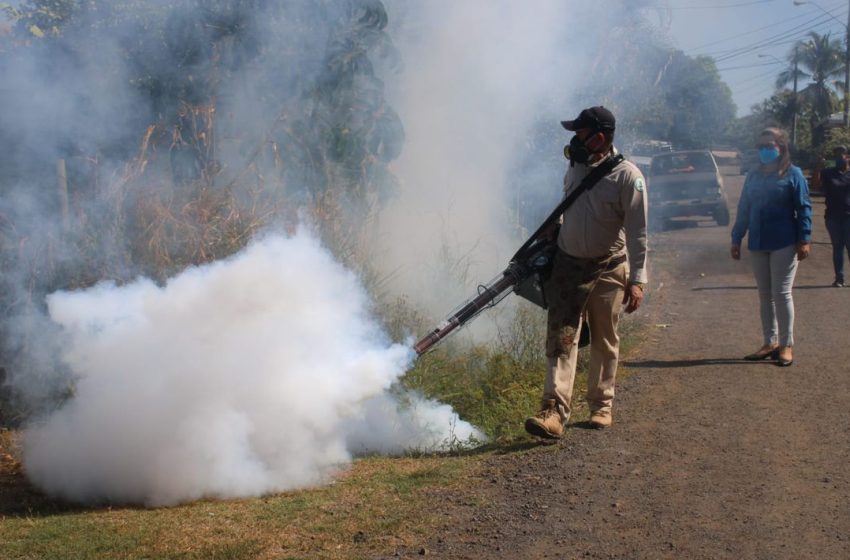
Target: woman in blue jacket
776,215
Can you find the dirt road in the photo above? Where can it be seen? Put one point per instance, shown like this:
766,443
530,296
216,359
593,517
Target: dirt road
710,457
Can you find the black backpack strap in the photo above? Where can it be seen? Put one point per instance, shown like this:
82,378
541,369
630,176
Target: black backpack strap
586,184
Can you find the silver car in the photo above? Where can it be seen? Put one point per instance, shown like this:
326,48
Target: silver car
686,184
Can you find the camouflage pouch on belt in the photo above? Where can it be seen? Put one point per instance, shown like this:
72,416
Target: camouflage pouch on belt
568,288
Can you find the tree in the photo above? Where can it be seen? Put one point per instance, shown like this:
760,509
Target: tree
700,103
777,111
667,95
820,59
181,128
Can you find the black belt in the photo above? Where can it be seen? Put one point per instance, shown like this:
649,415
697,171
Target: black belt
615,262
612,264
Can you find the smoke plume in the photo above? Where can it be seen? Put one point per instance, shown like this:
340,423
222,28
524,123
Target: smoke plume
139,138
259,373
477,75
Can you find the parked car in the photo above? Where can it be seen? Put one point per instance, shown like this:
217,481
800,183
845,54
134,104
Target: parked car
641,153
749,161
686,184
726,156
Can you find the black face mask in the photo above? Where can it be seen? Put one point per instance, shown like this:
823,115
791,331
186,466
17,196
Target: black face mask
577,152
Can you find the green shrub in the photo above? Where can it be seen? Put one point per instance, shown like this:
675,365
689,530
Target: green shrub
493,385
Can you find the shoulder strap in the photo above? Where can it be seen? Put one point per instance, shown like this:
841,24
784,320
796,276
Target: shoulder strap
586,184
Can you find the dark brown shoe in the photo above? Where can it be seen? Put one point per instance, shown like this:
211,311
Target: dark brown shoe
547,423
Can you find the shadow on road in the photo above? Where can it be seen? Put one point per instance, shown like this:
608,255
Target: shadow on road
586,425
714,288
730,288
693,363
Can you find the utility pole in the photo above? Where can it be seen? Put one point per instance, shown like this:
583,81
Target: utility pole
847,70
794,117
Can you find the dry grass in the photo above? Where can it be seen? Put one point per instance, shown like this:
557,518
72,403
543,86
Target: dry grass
10,452
206,226
376,505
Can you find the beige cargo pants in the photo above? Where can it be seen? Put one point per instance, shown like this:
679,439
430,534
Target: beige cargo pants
581,295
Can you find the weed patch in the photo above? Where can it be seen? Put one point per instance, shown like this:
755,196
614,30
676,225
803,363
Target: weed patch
376,505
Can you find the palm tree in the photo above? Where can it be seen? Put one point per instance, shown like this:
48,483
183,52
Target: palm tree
819,58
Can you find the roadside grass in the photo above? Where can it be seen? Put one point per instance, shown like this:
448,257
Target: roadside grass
373,506
495,387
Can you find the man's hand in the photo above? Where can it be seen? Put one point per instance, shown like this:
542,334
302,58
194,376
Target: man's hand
735,251
633,297
803,249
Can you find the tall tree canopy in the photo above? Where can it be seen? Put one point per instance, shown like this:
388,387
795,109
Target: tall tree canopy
819,60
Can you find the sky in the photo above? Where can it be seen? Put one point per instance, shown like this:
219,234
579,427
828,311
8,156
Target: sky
751,39
748,38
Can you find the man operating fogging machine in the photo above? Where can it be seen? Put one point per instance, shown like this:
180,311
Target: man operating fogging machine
599,266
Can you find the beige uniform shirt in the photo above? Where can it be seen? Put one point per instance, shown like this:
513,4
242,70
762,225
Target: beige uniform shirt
610,218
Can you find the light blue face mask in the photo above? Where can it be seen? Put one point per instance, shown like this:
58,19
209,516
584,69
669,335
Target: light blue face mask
768,155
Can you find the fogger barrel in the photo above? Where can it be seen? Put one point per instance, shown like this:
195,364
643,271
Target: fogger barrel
488,296
524,276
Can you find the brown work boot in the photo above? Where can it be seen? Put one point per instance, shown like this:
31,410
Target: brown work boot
600,419
547,423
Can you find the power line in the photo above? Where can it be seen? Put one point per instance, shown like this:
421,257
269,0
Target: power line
791,34
764,87
804,27
774,40
828,11
787,31
757,65
751,78
737,83
765,81
753,31
714,7
758,84
788,42
746,33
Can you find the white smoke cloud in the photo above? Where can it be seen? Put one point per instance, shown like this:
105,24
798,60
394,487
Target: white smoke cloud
389,425
484,87
477,75
259,373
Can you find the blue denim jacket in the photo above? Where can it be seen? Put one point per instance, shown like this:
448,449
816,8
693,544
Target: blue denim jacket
775,210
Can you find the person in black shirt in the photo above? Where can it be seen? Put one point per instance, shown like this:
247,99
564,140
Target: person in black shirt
835,183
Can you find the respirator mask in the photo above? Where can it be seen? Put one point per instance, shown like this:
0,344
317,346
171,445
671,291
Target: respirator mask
576,151
579,152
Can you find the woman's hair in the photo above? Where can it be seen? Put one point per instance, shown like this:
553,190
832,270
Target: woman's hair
781,139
